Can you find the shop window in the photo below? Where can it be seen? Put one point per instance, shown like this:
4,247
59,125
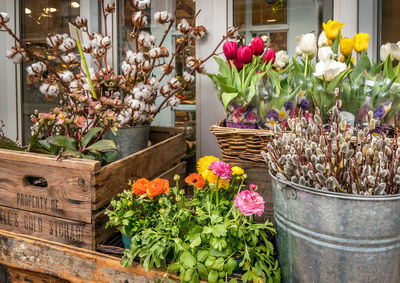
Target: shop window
390,21
278,22
38,18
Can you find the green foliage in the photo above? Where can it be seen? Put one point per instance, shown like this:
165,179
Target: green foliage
204,238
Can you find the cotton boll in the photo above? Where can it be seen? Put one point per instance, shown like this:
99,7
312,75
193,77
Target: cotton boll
4,18
183,26
67,76
163,17
155,53
68,44
70,58
165,89
153,82
105,42
187,78
174,83
16,54
141,4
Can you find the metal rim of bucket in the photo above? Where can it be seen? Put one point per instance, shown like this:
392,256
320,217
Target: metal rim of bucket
334,194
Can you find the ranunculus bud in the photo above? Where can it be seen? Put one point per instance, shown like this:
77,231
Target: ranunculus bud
230,49
257,45
269,56
245,54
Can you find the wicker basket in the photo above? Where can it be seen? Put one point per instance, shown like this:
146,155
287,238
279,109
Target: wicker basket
241,145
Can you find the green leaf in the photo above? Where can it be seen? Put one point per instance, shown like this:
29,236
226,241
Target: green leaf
233,280
227,97
103,146
187,260
363,64
336,81
218,243
219,230
128,214
189,274
203,271
89,135
335,44
174,267
202,255
209,261
72,153
196,242
224,69
212,276
230,265
109,156
62,141
218,264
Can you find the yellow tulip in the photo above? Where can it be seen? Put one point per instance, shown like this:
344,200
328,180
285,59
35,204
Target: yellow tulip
346,46
361,42
332,29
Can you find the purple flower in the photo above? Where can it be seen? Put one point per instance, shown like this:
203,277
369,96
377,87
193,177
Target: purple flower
272,114
304,104
380,112
288,105
221,169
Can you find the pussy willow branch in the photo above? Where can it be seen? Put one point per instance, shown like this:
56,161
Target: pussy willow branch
199,63
51,68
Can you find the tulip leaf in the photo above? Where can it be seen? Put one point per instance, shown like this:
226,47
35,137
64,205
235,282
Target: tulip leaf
89,135
236,77
103,146
388,69
227,98
224,84
335,44
224,68
336,81
363,64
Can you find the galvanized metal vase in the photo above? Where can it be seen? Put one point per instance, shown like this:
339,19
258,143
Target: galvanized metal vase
333,237
130,139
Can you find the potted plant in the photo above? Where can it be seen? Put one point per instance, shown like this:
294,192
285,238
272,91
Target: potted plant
239,77
210,235
96,102
335,200
137,209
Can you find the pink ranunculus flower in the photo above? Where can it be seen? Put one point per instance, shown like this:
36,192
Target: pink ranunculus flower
221,169
249,203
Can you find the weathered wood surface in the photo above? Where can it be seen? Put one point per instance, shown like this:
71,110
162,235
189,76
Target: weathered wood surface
39,193
47,227
24,276
67,193
148,163
68,263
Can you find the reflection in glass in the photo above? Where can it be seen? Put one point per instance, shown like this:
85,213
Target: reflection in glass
53,16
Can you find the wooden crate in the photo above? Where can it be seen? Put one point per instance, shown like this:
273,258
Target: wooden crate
63,200
30,259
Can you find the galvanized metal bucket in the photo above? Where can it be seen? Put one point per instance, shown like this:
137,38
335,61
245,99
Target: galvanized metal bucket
130,139
333,237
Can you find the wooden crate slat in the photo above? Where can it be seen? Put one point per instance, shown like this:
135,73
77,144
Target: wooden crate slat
68,193
47,227
69,263
148,163
50,160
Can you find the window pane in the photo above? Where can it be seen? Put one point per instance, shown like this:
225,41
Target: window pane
53,17
278,22
390,31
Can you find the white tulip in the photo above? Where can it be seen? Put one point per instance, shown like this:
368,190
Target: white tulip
281,58
298,51
329,70
307,44
325,54
385,52
322,40
395,51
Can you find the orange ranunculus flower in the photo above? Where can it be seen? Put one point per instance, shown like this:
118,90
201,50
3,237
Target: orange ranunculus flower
140,186
157,187
196,180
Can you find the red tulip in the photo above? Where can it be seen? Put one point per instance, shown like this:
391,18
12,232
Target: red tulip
230,49
257,45
269,56
238,65
245,54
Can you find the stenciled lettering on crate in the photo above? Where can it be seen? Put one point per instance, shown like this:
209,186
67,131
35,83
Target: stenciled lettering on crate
44,226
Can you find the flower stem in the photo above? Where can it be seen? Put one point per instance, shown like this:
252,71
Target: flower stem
397,70
244,67
217,195
305,69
